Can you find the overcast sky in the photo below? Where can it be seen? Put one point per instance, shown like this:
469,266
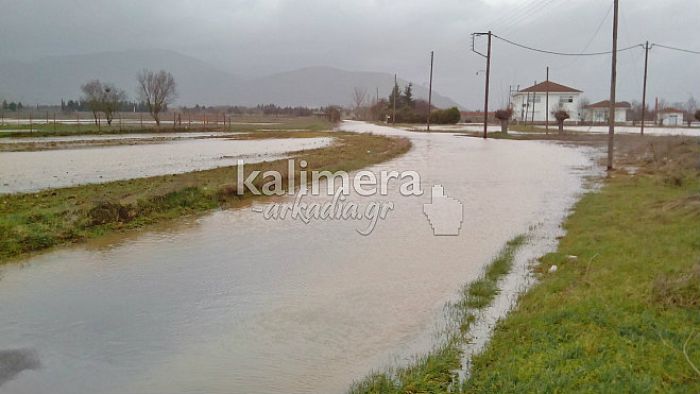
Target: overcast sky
254,37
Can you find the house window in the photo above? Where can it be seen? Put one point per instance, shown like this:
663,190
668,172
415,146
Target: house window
534,99
566,99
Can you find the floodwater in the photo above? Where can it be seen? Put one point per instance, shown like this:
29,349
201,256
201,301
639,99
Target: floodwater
117,137
33,171
234,303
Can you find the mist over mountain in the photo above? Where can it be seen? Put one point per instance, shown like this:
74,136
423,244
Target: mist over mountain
50,79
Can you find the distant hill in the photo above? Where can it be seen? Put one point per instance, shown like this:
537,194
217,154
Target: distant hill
48,80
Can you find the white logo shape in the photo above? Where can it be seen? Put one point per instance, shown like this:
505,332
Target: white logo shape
445,214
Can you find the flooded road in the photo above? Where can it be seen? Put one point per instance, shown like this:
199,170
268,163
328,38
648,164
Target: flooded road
233,303
33,171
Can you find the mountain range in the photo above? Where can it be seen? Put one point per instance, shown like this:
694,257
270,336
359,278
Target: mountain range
50,79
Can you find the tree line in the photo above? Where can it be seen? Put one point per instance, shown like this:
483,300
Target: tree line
401,106
156,90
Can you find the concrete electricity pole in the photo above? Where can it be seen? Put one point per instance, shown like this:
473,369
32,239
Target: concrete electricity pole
644,90
430,89
613,86
488,77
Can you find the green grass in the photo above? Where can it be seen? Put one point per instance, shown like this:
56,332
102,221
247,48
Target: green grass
36,221
253,124
435,372
625,315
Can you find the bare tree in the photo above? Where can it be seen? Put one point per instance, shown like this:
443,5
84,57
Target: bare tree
157,90
582,104
92,94
690,106
111,98
504,116
359,96
561,116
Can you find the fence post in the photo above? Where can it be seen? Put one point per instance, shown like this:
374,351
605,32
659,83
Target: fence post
31,125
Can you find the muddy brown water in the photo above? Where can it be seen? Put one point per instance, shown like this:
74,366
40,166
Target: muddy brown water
33,171
234,303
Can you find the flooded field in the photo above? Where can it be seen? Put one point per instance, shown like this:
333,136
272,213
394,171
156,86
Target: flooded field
234,303
114,137
32,171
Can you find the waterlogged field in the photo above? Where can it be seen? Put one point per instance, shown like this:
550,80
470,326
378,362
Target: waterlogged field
33,171
232,302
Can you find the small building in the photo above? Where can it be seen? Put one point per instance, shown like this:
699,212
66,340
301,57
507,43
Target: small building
600,112
670,117
476,117
530,104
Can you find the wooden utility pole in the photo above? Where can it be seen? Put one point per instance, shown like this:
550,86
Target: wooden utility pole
613,91
394,98
430,89
644,90
534,102
547,104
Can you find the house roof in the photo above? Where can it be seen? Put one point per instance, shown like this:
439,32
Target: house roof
606,104
551,87
672,111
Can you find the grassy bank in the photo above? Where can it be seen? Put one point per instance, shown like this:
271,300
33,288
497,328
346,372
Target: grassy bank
37,221
435,372
624,316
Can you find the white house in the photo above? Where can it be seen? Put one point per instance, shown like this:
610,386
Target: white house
530,103
670,117
600,112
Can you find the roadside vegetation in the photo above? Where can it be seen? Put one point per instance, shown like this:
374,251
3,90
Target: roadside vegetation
436,372
623,315
400,107
36,221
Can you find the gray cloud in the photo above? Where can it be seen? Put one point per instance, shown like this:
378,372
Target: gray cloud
249,37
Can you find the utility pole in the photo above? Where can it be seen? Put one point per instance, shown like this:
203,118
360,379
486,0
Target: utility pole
527,108
547,104
393,93
534,102
430,89
488,77
644,90
613,91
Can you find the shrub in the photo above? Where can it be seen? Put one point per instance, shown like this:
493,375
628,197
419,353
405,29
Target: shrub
446,116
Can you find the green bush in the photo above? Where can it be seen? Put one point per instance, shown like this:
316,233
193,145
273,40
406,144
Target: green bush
445,116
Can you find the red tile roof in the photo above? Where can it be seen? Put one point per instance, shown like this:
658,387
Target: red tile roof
672,111
549,87
606,104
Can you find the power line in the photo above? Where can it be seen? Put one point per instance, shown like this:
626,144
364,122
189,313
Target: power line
523,46
677,49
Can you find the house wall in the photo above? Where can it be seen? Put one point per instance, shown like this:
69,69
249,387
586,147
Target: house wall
569,102
671,119
600,115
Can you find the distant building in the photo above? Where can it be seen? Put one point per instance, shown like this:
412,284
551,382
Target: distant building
530,103
476,117
670,117
600,112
